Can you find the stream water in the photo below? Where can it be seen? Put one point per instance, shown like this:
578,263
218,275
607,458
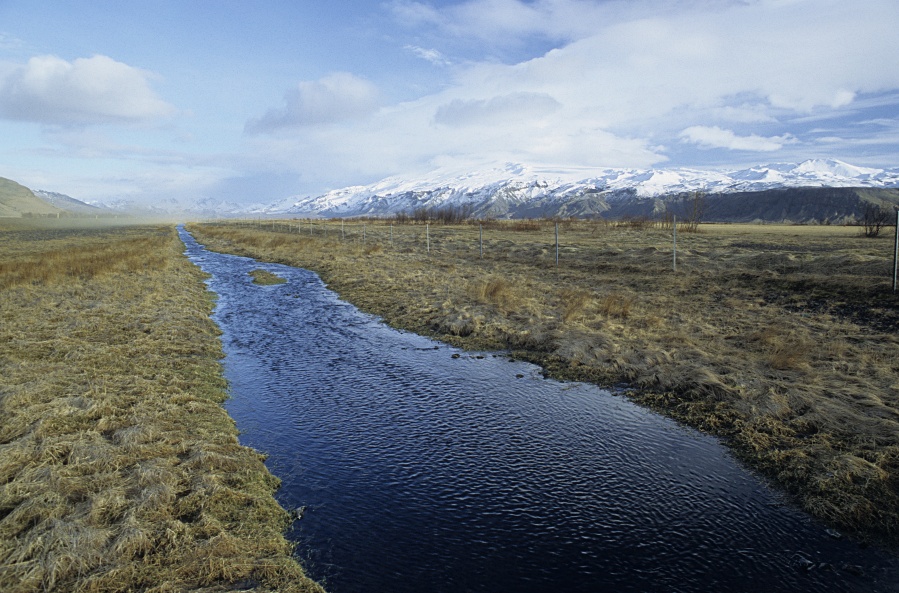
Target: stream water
428,469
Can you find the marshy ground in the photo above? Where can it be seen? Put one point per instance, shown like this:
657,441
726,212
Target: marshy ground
780,339
119,469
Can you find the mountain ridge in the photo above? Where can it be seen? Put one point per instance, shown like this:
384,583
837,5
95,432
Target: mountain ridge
517,191
68,203
823,191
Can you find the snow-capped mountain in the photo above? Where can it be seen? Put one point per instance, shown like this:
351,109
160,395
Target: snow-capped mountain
516,190
213,207
205,207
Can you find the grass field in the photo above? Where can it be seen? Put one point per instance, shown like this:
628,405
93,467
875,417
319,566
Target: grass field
119,469
780,339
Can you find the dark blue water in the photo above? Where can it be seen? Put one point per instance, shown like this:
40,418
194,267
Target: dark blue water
428,469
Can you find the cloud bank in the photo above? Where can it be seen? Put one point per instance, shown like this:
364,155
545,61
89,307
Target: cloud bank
715,137
340,96
50,90
502,110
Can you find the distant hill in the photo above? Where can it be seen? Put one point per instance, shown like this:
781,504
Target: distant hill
823,205
17,201
68,203
801,205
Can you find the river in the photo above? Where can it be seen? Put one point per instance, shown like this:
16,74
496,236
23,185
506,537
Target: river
424,468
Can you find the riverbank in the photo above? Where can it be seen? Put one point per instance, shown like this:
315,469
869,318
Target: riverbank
120,469
782,340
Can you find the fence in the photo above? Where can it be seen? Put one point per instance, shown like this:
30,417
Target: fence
627,246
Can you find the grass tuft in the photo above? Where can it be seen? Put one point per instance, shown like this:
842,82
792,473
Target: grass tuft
266,278
574,303
615,305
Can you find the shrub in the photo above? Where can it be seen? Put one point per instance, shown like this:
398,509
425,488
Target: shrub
874,218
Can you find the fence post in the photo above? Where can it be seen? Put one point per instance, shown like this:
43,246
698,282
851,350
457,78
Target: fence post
674,260
896,254
557,244
391,234
363,233
342,233
481,239
428,236
310,227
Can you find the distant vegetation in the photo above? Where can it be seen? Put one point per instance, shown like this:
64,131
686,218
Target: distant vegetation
875,218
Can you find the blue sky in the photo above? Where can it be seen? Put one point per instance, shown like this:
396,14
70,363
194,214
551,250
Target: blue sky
255,101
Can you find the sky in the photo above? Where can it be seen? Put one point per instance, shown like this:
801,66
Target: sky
251,102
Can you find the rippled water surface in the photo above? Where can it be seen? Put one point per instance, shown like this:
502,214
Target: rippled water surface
428,469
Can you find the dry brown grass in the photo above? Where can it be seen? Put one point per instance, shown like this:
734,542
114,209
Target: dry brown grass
575,303
616,305
119,469
266,278
495,290
783,340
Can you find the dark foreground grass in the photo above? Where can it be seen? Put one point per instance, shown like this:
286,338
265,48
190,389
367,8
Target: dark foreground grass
782,340
119,469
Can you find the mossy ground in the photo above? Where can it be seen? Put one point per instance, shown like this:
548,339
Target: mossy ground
119,468
782,340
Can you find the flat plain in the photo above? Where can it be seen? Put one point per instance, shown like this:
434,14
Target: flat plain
782,340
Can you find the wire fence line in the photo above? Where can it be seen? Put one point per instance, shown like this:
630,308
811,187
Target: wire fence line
457,239
665,246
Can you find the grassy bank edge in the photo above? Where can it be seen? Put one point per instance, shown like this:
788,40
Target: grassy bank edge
698,407
119,467
284,574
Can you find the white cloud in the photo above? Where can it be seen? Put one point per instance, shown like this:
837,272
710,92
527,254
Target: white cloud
503,110
99,89
795,55
505,22
10,42
431,55
405,139
415,14
745,114
715,137
340,96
